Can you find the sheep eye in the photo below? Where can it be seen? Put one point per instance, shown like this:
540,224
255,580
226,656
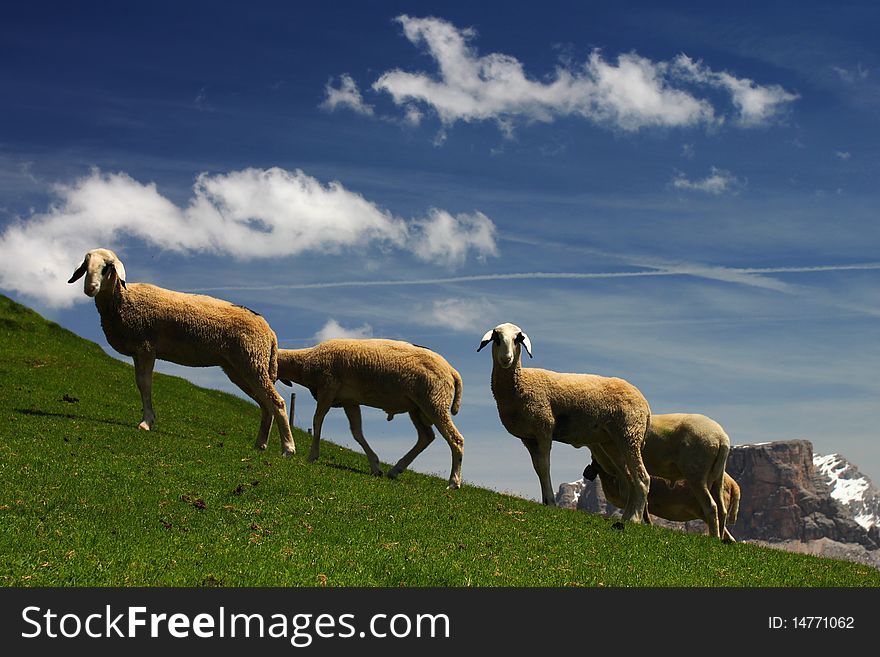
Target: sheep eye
496,338
104,270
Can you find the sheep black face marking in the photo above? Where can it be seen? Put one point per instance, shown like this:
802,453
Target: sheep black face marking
591,472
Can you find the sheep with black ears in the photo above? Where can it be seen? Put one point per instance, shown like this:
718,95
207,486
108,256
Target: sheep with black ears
148,322
395,376
606,414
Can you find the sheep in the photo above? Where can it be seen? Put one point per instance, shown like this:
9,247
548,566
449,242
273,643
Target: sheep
672,500
148,322
607,414
694,448
392,375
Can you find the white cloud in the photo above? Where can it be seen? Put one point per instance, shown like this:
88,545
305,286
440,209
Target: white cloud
252,213
717,182
757,104
458,314
346,95
635,94
333,329
448,239
843,155
631,93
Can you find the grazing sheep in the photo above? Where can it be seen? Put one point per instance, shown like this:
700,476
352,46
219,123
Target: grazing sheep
608,415
148,322
672,500
692,447
394,376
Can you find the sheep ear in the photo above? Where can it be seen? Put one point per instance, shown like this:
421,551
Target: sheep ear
120,272
524,339
117,268
78,274
486,339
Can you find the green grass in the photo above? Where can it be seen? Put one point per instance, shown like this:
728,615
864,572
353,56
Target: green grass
89,500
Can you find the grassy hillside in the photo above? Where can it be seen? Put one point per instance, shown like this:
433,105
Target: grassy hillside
87,499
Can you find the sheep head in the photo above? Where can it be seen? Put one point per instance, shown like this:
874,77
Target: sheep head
591,471
100,267
506,340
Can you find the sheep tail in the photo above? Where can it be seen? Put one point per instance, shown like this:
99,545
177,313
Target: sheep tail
273,362
717,472
456,399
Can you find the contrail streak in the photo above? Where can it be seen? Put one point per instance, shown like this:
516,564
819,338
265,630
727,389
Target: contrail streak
700,271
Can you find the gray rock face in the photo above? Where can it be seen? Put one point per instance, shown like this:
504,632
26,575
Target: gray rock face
791,498
785,498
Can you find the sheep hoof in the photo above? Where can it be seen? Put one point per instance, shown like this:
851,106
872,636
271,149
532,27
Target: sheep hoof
618,525
311,458
286,453
453,485
392,473
143,425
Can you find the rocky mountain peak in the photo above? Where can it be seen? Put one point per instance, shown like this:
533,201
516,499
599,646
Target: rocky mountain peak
791,498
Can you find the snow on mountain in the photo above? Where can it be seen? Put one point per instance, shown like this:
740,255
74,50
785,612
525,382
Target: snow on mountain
851,488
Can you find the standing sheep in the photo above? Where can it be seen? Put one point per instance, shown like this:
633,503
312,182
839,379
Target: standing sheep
539,406
692,447
148,322
394,376
672,500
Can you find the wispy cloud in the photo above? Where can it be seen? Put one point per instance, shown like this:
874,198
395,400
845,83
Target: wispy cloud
459,314
630,93
333,329
756,104
252,213
851,75
346,95
747,276
719,181
843,155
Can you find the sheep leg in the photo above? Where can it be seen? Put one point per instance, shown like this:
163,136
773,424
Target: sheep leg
716,488
353,413
639,479
272,404
708,507
265,415
728,537
456,445
143,375
716,491
425,438
539,450
324,402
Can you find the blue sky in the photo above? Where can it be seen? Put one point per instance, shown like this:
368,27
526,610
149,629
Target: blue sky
687,199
